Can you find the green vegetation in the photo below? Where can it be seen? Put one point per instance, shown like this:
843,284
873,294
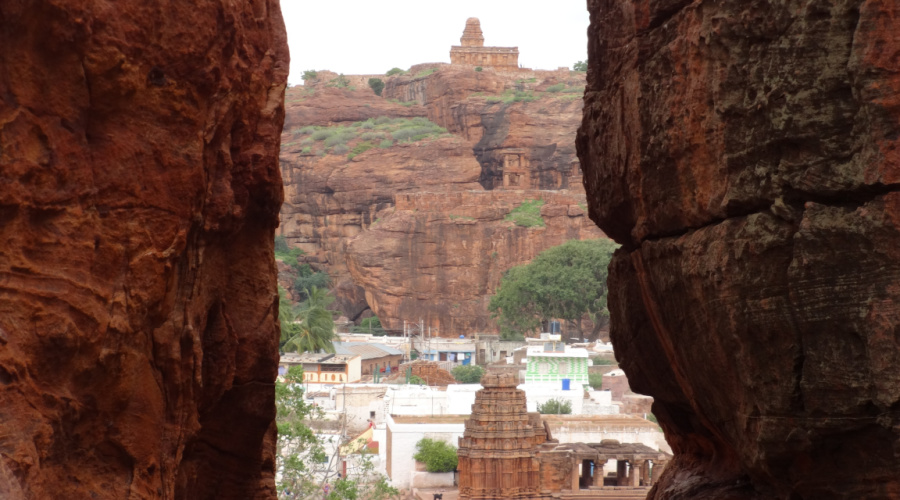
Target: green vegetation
528,214
426,72
310,74
580,66
395,71
370,323
377,85
556,88
478,68
416,380
307,150
359,149
385,144
595,380
468,374
437,456
527,80
598,361
651,417
555,407
307,279
510,96
309,326
340,149
463,217
286,254
303,467
566,282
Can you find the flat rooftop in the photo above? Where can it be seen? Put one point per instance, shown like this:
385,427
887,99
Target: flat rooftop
429,419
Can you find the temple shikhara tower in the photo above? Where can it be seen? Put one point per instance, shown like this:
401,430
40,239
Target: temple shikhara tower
472,51
508,453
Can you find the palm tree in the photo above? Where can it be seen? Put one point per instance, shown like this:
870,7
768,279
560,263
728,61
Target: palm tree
308,327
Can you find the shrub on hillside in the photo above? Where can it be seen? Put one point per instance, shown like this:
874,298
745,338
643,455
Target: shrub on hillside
556,88
385,144
595,380
377,85
394,71
478,68
528,214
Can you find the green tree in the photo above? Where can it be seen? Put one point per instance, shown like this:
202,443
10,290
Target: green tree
303,464
308,327
437,456
468,374
310,74
580,66
377,85
595,380
394,71
565,282
555,407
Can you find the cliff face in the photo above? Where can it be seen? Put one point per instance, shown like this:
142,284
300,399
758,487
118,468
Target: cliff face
140,193
440,256
746,156
504,132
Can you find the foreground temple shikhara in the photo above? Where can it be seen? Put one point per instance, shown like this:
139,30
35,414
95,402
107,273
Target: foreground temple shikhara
473,52
507,452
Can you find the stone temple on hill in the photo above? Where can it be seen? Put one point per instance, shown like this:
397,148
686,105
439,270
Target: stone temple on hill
472,51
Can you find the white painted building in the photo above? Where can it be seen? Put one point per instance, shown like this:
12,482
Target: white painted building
402,434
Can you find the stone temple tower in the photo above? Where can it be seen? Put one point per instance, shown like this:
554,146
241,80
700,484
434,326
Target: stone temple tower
472,51
472,36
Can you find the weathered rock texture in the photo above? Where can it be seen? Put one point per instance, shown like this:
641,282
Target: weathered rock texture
500,143
139,193
746,156
439,256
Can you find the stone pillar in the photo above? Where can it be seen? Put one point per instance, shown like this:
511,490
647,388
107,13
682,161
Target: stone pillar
598,473
575,475
635,477
645,473
621,469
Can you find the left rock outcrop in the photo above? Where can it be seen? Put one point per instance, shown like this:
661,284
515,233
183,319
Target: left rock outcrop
139,193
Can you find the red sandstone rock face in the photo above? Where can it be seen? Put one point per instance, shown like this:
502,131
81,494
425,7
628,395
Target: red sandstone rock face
139,193
745,154
440,256
331,199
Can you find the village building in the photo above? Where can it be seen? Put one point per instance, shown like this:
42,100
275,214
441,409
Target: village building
553,362
374,357
472,51
456,351
489,348
324,368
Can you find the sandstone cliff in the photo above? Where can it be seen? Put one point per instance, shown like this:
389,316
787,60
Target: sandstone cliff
139,193
503,131
745,155
440,256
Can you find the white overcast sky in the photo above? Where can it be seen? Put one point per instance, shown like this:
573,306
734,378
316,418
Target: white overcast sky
373,36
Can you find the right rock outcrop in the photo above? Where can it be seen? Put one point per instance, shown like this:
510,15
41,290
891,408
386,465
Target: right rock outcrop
745,154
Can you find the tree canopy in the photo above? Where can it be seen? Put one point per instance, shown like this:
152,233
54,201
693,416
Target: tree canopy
468,374
565,282
580,66
308,327
437,456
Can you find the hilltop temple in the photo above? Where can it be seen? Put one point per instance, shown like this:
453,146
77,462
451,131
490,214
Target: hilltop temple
472,51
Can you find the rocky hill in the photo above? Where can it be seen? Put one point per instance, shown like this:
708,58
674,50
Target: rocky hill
404,198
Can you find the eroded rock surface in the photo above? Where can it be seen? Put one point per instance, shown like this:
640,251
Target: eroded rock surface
746,156
504,132
139,193
440,256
